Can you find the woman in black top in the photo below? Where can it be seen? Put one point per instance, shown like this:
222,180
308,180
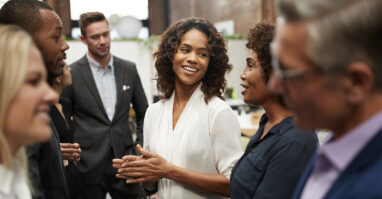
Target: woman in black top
61,115
276,155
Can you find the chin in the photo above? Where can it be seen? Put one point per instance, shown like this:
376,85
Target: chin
305,125
42,135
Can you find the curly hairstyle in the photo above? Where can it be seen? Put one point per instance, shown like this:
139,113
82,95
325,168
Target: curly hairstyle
213,82
259,39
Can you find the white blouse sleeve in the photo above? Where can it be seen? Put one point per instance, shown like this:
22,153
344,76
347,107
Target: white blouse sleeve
225,140
146,128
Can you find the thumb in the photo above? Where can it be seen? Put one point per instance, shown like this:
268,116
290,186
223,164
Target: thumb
144,153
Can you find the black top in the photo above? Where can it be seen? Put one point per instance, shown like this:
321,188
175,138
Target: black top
65,132
271,167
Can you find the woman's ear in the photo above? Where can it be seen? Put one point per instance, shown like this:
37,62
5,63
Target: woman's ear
58,80
361,81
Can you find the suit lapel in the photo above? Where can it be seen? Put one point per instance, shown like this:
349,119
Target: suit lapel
88,78
301,184
118,74
360,163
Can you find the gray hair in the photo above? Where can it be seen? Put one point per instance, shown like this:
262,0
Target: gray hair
340,32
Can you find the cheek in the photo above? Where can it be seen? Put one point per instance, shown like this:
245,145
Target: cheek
19,115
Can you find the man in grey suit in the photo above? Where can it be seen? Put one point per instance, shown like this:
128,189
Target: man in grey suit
103,88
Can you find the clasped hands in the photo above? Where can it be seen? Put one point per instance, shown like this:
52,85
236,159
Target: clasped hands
148,167
70,151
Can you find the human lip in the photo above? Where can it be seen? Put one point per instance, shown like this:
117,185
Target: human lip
245,88
42,114
61,60
189,69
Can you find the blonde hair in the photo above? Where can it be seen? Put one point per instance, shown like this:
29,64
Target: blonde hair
15,45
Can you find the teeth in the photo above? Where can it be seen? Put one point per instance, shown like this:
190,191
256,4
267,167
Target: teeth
190,69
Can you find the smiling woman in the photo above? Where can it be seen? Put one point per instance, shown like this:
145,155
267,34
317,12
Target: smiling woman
24,104
191,136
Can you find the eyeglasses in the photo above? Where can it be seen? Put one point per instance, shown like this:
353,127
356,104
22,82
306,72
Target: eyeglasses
290,73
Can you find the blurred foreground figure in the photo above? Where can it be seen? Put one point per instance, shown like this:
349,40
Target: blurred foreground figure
328,67
25,97
45,161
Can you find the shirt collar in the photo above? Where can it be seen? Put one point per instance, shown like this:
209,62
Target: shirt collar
341,152
96,65
284,124
7,178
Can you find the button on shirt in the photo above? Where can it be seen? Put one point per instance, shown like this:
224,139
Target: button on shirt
334,156
105,82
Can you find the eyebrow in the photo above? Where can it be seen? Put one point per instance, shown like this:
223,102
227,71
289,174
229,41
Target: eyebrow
185,44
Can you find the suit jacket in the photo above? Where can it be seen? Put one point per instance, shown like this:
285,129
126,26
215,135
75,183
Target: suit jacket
46,169
361,179
93,130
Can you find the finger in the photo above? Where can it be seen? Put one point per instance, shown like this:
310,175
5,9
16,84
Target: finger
144,152
76,145
70,150
131,157
120,176
138,180
118,161
66,144
129,170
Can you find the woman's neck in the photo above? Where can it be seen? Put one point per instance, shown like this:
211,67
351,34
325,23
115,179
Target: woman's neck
183,92
275,113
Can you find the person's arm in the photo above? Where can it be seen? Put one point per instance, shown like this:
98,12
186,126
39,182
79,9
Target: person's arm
140,105
152,167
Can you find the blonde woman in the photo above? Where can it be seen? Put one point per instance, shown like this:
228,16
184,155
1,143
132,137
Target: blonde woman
25,98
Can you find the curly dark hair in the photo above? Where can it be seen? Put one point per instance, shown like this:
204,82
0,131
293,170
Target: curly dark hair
259,39
213,82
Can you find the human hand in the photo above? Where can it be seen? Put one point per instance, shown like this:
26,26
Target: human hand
149,167
70,151
118,162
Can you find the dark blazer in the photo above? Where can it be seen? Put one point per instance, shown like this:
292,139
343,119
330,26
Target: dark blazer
46,169
361,179
272,166
93,130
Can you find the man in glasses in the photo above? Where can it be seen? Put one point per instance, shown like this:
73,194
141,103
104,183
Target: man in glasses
328,67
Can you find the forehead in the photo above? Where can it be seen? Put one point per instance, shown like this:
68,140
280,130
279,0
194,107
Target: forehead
51,22
97,27
290,43
196,38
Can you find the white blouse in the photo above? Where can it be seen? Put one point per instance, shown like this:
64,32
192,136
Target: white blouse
206,139
13,182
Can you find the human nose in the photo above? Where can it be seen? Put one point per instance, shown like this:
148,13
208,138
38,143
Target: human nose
64,45
191,58
50,95
102,39
275,84
243,75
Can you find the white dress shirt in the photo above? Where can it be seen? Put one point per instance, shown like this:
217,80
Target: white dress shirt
206,139
105,82
13,182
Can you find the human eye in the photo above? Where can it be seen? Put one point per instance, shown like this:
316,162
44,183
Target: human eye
185,50
33,80
203,54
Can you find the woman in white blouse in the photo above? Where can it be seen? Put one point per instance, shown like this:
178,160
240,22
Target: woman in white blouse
191,136
25,98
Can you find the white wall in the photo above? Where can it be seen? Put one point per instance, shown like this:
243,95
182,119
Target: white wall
141,54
